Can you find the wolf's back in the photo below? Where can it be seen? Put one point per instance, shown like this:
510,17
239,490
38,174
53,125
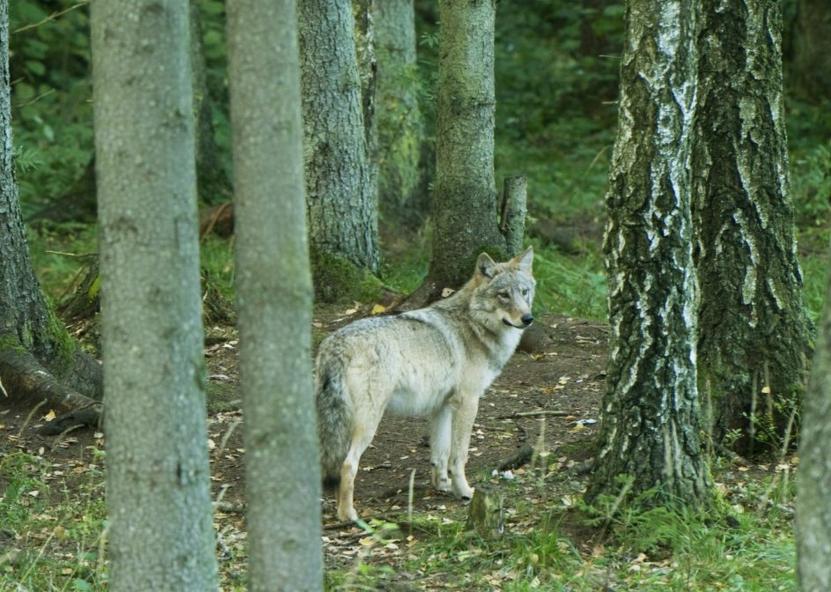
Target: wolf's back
334,417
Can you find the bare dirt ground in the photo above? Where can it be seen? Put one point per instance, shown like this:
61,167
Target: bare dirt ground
555,391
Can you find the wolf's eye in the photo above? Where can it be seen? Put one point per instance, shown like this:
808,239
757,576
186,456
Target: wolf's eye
525,291
503,295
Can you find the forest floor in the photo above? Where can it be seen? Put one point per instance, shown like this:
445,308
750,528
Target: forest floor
52,512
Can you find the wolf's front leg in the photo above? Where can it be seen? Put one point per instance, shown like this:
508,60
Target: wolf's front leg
463,418
440,447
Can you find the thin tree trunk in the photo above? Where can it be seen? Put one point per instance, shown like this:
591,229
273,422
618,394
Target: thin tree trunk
341,198
210,178
274,296
650,424
813,510
464,198
402,196
812,50
158,496
753,331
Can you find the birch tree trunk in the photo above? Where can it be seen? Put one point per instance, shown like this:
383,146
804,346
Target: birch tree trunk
650,424
399,121
158,497
813,504
341,198
753,331
274,298
38,359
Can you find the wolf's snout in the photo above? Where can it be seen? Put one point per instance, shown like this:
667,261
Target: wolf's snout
527,319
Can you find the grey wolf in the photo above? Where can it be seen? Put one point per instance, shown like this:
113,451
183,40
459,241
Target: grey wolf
435,361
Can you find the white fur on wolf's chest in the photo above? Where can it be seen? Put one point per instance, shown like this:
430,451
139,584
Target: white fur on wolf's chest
419,395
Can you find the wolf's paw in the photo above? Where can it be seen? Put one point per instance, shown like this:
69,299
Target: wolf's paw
347,514
442,485
463,490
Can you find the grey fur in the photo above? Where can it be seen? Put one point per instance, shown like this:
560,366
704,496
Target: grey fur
436,361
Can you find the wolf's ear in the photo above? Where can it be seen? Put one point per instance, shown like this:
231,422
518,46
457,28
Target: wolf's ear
486,266
526,260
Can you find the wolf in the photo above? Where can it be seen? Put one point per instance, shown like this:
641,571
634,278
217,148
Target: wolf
435,361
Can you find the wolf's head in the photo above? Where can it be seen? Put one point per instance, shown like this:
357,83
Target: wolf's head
504,292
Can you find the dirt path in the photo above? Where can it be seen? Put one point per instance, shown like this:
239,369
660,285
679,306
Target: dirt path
558,388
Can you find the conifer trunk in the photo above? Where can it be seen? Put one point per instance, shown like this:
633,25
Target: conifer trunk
37,356
811,68
813,511
401,194
274,299
650,426
753,331
464,206
340,195
158,496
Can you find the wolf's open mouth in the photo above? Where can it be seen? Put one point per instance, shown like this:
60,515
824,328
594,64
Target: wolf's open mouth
514,326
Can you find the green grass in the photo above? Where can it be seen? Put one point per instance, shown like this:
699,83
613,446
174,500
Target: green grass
54,531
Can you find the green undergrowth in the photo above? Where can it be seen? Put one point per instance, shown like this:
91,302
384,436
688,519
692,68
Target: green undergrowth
560,545
52,530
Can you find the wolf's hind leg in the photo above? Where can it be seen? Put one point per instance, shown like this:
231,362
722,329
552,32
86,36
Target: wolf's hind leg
440,427
463,417
362,435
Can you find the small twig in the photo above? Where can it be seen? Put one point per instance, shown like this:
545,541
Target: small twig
67,254
227,436
539,413
51,17
29,417
410,500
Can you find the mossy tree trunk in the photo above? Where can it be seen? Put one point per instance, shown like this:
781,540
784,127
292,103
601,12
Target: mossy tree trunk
340,193
274,298
753,331
464,208
158,494
650,415
402,196
811,67
38,359
813,503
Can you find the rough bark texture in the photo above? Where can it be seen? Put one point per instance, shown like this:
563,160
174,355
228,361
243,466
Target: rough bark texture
650,424
753,331
464,198
811,68
274,298
813,512
401,193
341,198
514,210
158,497
364,11
28,329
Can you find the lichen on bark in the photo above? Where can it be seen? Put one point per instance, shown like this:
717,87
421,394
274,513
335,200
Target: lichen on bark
650,424
753,330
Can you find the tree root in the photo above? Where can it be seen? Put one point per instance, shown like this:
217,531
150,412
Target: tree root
24,377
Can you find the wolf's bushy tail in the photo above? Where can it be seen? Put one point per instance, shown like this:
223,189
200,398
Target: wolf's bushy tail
334,418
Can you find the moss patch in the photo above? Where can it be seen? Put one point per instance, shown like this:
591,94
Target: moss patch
337,279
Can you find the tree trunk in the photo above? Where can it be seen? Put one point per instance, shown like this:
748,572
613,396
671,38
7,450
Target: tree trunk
36,353
364,11
464,198
813,515
401,192
274,297
210,178
753,331
158,496
812,50
341,198
650,424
